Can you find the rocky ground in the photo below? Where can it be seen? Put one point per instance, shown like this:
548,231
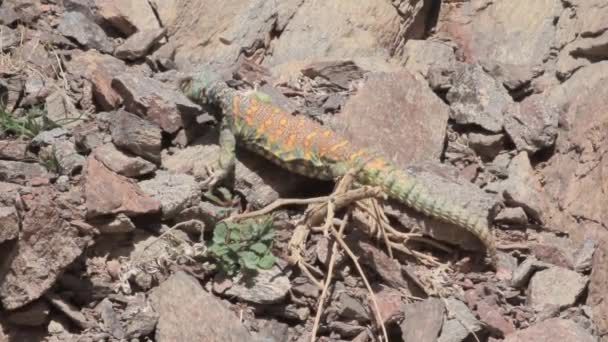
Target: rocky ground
104,227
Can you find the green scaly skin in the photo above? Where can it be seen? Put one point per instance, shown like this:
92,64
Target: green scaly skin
308,148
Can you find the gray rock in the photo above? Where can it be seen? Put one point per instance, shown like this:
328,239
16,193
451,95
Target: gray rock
136,135
512,216
86,32
180,296
114,225
110,319
476,98
128,16
139,44
20,172
49,137
69,160
34,314
583,258
555,286
151,99
458,328
175,192
532,124
423,320
422,56
265,287
9,38
525,270
488,146
523,188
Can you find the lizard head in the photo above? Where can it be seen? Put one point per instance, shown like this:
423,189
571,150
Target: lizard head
198,84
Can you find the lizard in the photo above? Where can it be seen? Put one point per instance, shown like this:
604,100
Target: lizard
306,147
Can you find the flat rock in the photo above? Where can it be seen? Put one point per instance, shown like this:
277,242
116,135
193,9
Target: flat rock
69,160
85,31
266,287
555,286
128,16
108,193
423,320
208,318
386,103
9,223
486,145
153,100
119,224
122,163
45,232
34,314
422,56
512,216
21,172
136,135
139,44
476,98
99,69
175,191
13,150
532,124
553,329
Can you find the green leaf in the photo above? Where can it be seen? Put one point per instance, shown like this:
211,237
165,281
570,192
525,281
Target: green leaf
266,262
235,247
259,248
249,259
220,232
218,250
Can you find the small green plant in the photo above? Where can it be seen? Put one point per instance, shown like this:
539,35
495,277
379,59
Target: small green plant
33,122
243,246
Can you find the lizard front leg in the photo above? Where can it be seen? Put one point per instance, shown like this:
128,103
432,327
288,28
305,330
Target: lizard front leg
227,156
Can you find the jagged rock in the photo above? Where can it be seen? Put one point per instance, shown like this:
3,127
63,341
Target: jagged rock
488,146
476,98
21,172
121,163
265,287
9,38
175,192
180,296
400,100
13,150
423,320
114,225
69,160
532,124
139,44
512,216
555,286
128,16
9,223
153,100
86,32
108,193
457,329
136,135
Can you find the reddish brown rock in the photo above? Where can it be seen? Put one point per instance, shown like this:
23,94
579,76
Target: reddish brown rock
109,193
13,150
139,44
554,329
9,223
121,163
128,16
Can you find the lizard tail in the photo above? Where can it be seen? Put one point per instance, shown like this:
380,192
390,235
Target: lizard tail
400,186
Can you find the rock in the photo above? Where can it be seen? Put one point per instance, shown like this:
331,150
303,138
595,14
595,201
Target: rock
555,286
349,308
128,16
35,54
50,137
110,319
9,38
457,329
523,188
139,44
136,135
208,317
108,193
422,56
175,192
345,330
150,99
516,216
553,250
423,320
473,26
260,181
387,268
87,136
21,172
9,223
599,277
25,11
532,124
476,98
554,329
492,316
69,160
443,181
141,317
86,32
266,287
114,225
374,118
525,270
583,258
488,146
272,330
339,73
45,231
13,150
99,69
70,310
34,314
121,163
390,305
